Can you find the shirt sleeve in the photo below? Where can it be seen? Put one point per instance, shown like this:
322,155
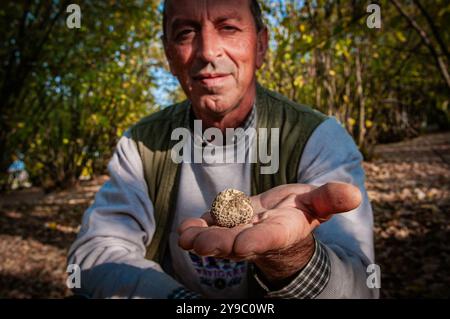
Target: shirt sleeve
344,244
111,245
309,282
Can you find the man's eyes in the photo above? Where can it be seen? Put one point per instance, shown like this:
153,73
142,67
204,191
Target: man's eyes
229,28
186,34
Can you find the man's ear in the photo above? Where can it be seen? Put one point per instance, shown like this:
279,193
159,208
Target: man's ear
168,55
261,46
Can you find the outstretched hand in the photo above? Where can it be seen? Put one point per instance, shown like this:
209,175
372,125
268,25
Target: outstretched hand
280,231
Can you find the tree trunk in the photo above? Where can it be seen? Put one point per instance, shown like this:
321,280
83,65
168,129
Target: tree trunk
361,99
440,63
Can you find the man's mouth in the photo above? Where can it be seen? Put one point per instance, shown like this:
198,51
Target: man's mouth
211,79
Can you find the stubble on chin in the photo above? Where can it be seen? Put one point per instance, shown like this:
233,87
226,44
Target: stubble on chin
215,105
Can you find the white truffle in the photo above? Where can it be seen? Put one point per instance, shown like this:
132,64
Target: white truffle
231,208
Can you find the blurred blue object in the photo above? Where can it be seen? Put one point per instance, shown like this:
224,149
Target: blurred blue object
16,166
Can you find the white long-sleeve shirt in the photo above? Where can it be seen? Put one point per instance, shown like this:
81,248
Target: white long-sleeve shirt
116,229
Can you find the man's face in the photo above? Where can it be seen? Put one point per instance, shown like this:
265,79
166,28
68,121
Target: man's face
213,48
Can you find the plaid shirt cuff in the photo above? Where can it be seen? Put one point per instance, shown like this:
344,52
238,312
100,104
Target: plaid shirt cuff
310,281
182,293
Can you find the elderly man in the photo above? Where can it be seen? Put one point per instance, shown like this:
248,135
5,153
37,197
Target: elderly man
147,234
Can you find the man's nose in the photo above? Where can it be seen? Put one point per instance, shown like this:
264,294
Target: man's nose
209,47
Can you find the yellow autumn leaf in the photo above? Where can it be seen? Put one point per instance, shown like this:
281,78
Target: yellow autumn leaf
351,121
346,99
94,118
299,81
307,38
400,36
85,172
52,225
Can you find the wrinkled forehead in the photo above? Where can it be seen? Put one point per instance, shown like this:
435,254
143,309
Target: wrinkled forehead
198,10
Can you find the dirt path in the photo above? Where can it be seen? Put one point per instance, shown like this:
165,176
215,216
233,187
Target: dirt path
36,231
408,183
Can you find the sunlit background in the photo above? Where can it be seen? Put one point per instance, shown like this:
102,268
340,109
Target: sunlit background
67,95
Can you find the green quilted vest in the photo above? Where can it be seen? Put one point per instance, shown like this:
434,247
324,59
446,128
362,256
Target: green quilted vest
153,139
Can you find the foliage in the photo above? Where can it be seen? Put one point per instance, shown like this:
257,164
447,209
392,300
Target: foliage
382,84
68,94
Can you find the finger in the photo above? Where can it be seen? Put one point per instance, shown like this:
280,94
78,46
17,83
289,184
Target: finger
217,241
258,218
288,201
208,218
191,222
256,204
188,236
271,198
329,199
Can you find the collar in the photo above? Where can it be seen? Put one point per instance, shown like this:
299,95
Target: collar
250,122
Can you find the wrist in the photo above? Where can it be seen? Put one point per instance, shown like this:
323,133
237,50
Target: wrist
308,283
278,268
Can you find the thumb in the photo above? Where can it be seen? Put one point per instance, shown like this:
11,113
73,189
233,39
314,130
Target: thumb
329,199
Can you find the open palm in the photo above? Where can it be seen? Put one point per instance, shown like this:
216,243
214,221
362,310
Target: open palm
284,216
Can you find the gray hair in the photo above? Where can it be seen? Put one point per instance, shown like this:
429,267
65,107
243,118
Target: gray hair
254,7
